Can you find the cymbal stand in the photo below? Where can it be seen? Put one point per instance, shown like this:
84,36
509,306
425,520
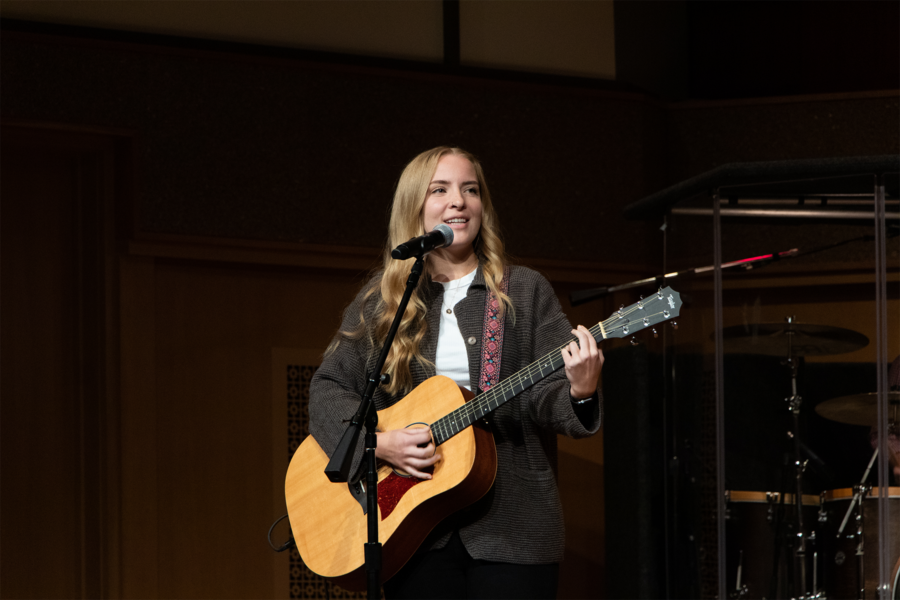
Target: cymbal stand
794,402
859,494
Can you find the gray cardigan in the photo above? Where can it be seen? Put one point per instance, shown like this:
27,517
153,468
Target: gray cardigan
520,520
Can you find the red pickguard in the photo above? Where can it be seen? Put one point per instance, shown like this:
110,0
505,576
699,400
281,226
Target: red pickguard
391,490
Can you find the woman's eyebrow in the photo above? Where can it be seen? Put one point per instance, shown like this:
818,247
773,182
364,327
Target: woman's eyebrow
443,182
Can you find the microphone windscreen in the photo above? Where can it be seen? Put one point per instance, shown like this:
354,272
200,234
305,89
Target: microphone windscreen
446,232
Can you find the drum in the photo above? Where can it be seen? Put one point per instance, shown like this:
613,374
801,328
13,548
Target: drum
759,559
844,573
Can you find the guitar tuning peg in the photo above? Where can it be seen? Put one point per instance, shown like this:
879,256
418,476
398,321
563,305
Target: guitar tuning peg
656,335
634,341
674,324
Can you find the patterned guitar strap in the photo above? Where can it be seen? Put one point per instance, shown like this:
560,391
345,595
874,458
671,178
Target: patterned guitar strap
492,337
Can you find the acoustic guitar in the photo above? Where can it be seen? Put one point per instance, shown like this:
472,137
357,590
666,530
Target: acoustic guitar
328,519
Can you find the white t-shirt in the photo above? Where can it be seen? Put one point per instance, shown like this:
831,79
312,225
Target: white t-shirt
452,360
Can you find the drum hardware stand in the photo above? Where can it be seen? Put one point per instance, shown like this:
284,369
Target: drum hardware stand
740,591
816,594
823,514
770,511
860,491
794,402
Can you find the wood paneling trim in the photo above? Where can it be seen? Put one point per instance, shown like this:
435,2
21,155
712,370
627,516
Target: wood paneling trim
806,99
50,131
254,252
35,32
350,258
139,550
112,508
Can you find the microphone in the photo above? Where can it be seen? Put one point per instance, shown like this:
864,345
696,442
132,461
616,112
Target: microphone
439,237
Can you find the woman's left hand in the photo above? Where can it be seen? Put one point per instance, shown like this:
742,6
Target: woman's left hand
584,361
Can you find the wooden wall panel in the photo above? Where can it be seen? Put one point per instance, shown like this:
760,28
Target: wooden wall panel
218,331
138,459
394,28
265,148
57,502
41,496
582,573
215,328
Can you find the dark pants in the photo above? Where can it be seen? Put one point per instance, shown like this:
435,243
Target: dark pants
451,573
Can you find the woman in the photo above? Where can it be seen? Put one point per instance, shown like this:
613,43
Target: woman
509,543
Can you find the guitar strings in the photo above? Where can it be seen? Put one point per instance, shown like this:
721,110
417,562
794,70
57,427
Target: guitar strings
464,416
614,323
482,403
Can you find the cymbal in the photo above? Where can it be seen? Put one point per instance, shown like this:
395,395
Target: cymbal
858,409
800,339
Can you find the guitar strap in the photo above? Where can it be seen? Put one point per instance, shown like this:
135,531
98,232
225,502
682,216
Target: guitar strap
492,337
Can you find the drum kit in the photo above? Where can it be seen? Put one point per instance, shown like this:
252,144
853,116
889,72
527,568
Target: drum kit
787,544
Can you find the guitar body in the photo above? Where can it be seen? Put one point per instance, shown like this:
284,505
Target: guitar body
328,522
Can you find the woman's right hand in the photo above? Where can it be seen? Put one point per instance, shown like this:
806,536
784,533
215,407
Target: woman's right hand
408,450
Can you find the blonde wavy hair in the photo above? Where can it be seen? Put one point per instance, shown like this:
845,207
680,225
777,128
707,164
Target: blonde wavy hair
407,222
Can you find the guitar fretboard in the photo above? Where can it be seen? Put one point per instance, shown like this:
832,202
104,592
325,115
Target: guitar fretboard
621,323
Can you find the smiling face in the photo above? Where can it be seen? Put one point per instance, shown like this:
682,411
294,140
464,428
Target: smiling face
454,198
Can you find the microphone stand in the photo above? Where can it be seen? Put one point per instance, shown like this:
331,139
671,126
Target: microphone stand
746,264
338,468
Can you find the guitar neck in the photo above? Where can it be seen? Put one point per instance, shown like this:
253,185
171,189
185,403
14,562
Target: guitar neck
446,427
659,307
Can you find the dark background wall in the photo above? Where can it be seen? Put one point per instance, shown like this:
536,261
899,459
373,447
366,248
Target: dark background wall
744,50
265,149
216,203
339,129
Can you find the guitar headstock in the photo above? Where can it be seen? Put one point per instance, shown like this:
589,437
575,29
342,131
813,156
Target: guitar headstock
662,306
